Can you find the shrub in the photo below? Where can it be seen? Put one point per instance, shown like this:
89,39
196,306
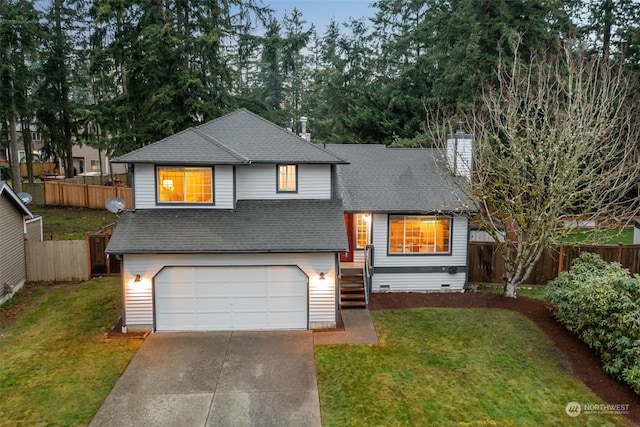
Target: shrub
600,303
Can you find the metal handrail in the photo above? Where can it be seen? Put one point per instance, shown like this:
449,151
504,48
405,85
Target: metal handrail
368,271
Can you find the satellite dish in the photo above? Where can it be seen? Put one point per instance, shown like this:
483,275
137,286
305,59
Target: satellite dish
115,205
25,197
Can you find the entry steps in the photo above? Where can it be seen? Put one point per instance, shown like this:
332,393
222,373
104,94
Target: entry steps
352,290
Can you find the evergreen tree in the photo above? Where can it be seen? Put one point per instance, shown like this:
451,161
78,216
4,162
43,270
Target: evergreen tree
19,34
173,62
61,53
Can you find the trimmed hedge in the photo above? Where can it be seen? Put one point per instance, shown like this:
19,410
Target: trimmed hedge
600,303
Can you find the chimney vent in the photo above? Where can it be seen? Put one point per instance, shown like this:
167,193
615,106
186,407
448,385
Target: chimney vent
460,152
303,133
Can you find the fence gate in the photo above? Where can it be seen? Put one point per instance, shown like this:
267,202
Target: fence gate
102,264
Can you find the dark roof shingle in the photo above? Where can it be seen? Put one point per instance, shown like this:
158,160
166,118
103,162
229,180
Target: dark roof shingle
255,226
381,179
240,137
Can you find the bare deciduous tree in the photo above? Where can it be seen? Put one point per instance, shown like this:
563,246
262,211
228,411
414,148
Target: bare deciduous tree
557,139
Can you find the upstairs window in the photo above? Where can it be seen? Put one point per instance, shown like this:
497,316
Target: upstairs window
287,178
419,234
185,185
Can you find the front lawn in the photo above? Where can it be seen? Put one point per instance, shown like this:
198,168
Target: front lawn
471,367
57,368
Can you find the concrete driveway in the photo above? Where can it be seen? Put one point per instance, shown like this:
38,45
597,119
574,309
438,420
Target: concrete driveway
217,379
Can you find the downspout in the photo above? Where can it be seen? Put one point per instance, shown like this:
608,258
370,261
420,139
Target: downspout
465,288
123,297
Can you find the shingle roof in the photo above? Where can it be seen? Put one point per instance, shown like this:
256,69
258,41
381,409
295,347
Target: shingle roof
255,226
381,179
13,197
237,138
187,147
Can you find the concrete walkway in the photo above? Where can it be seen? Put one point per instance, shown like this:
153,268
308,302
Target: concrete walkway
217,379
358,329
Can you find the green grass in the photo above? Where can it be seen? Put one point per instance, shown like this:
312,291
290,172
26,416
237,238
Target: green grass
56,367
71,223
451,367
535,292
606,237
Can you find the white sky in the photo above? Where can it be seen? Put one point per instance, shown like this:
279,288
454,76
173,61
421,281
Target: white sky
320,12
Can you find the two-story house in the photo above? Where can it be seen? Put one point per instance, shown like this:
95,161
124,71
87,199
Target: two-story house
240,224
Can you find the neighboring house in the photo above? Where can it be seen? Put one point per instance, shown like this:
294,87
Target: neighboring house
85,159
240,224
18,224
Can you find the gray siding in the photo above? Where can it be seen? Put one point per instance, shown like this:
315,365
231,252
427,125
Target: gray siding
407,275
12,256
34,229
256,182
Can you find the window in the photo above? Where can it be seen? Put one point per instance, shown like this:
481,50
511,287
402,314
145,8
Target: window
419,234
363,227
287,178
95,165
185,185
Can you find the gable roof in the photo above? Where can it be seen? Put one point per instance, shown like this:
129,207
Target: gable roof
255,226
387,180
187,147
240,137
8,192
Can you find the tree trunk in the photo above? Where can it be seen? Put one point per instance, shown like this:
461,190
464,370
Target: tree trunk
28,148
607,24
510,289
16,180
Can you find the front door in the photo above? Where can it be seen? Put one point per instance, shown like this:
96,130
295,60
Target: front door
348,256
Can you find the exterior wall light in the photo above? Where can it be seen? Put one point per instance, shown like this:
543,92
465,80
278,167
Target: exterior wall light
322,276
137,279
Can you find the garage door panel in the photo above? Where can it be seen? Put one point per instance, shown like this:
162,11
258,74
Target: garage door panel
213,290
175,305
213,305
231,298
286,289
282,304
250,290
258,304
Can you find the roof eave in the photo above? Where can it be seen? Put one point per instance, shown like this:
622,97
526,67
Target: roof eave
262,251
17,200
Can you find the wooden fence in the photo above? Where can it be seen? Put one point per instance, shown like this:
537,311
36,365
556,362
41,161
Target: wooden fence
38,168
57,260
82,195
486,266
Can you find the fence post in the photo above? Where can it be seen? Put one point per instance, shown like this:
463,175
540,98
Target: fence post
561,259
620,253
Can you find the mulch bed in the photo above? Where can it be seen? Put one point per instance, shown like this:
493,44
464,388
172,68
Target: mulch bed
581,360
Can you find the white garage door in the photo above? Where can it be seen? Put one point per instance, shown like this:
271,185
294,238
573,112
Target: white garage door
230,298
